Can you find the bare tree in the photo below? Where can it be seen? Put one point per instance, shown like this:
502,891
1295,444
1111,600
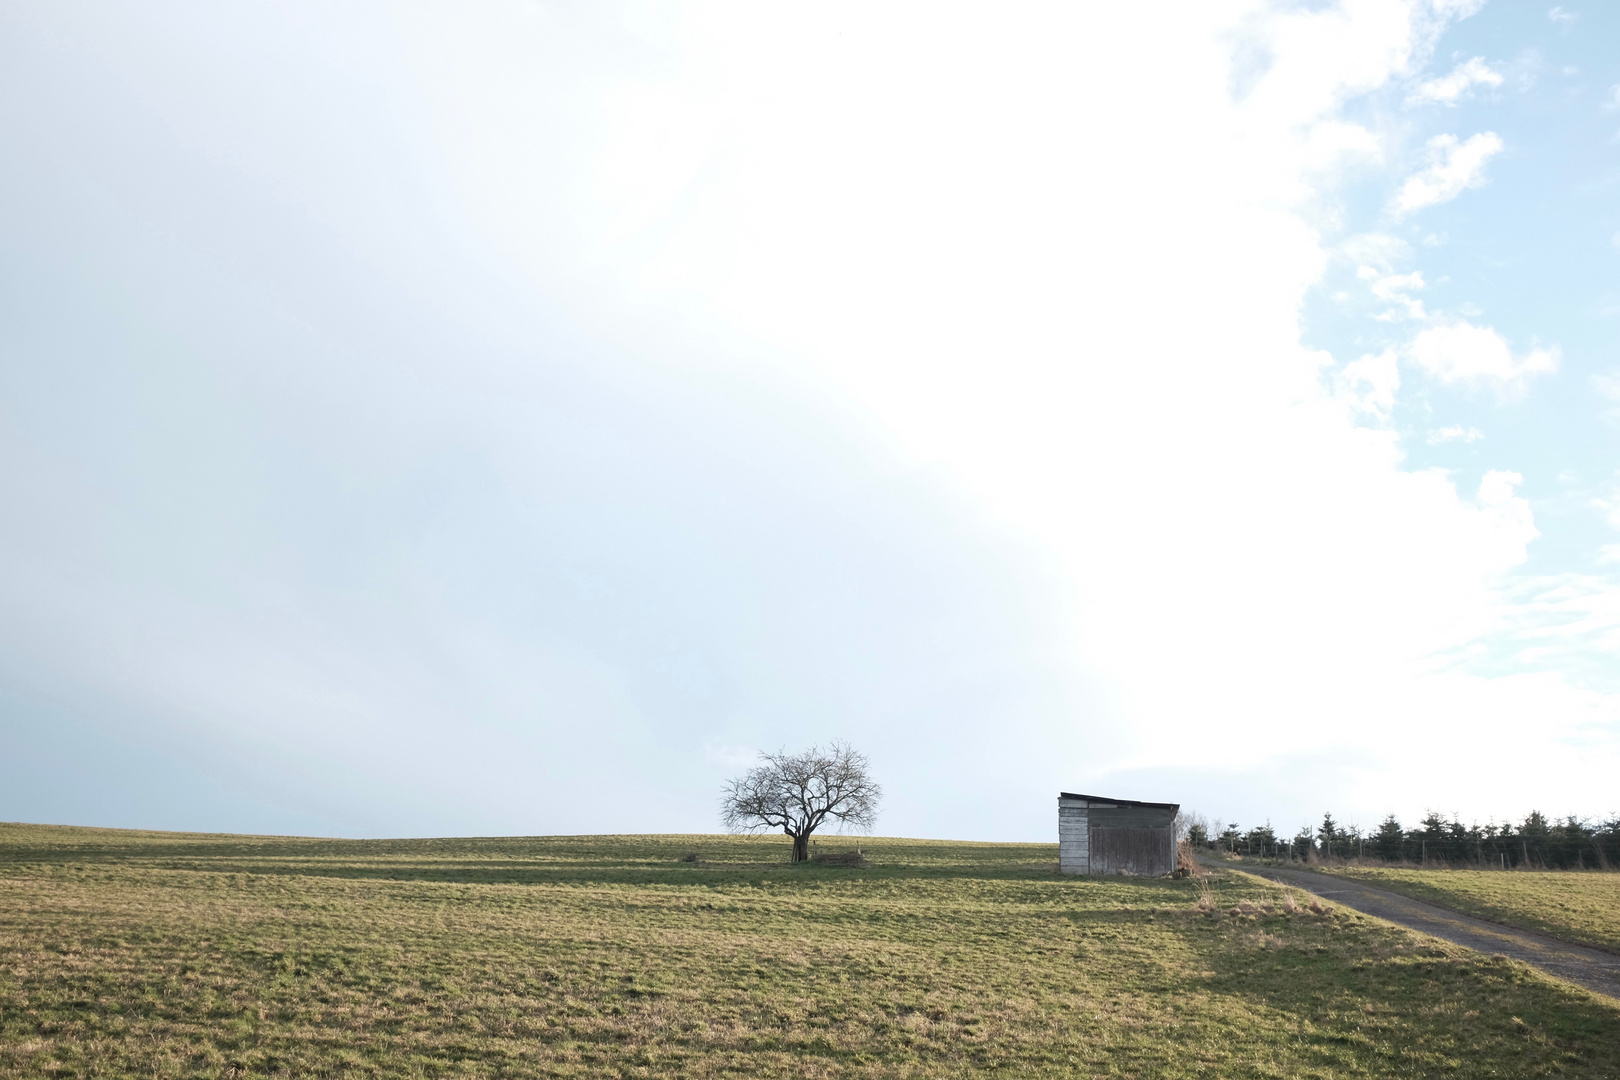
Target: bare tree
798,793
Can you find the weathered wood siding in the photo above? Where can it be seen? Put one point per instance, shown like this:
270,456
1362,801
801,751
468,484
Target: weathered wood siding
1149,852
1074,840
1131,817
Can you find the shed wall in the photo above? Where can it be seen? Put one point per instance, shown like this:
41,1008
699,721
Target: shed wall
1074,839
1148,852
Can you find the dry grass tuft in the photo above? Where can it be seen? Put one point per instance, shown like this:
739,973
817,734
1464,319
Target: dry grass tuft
1186,864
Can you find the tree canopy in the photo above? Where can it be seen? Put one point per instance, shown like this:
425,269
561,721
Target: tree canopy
798,793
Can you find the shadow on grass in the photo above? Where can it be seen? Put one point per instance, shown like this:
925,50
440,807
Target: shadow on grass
547,872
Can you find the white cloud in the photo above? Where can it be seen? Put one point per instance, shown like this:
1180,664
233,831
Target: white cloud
1444,11
1396,289
1368,383
1382,251
1462,353
1574,618
1455,433
1564,18
1453,167
1332,145
1377,256
1452,88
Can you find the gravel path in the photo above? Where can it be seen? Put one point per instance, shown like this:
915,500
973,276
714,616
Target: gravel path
1592,968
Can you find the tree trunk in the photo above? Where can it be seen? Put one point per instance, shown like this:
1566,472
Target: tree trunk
801,848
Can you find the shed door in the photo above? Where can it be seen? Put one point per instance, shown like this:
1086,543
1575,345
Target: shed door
1148,852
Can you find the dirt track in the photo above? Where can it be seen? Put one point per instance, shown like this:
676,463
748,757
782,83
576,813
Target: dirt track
1592,968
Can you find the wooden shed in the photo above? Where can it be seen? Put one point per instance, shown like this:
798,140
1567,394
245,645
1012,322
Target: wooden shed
1115,836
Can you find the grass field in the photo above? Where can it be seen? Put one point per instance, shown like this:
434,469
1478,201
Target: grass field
179,955
1576,905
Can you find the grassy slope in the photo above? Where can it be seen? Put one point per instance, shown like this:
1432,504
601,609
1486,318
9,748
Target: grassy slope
1579,906
168,955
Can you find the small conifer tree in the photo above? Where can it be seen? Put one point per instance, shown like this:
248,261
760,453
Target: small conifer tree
1390,840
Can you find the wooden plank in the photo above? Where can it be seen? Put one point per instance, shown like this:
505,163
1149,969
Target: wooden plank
1148,852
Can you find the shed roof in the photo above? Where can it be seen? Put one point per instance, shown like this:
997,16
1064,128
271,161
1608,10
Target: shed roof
1119,802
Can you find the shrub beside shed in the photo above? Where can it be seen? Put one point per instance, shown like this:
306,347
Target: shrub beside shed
1115,836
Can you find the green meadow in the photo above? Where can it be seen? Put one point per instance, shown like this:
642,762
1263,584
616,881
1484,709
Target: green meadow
168,955
1576,905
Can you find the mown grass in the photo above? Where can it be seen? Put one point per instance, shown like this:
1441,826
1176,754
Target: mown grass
1576,905
166,955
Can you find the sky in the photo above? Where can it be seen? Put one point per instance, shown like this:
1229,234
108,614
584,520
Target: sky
511,418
